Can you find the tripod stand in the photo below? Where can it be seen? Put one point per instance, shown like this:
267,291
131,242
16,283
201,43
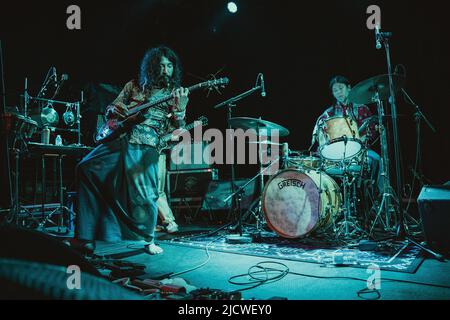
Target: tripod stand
238,194
401,233
349,226
230,104
388,199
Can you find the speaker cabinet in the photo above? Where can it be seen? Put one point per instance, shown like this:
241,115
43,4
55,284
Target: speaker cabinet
434,208
189,183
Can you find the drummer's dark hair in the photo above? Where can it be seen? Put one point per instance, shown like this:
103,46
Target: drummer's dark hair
338,79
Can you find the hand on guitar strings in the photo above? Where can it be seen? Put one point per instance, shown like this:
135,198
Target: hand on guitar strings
181,99
116,111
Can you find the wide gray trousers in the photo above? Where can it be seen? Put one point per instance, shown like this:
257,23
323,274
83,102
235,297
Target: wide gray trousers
118,190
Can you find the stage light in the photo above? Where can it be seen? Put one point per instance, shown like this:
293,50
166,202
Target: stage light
232,7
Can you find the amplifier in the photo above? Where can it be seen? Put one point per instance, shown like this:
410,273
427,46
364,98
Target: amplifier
197,159
185,184
434,208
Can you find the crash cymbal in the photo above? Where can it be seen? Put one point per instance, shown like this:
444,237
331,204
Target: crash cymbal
365,91
253,123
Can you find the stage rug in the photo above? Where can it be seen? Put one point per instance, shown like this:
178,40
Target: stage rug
389,256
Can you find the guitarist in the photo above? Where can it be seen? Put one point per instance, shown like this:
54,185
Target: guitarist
118,180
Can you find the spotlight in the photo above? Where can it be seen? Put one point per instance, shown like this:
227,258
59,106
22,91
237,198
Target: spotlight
232,7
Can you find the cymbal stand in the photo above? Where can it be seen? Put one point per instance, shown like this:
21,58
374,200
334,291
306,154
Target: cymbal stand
386,205
384,38
241,191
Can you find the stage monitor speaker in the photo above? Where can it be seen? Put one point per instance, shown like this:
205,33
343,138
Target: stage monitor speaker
434,208
220,190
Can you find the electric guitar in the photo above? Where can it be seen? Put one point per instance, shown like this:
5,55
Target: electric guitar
114,127
166,141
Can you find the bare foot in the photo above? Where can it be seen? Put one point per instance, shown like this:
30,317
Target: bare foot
153,249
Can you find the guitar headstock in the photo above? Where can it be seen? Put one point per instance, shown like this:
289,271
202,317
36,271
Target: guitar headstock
216,83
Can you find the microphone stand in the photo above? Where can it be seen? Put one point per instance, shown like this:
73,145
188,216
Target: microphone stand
384,37
230,104
401,231
419,114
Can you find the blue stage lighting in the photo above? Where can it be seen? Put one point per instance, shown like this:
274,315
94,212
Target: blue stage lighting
232,7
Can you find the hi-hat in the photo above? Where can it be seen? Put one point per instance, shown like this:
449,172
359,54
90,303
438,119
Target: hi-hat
365,91
257,124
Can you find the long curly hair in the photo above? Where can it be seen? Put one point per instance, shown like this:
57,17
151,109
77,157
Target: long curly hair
149,76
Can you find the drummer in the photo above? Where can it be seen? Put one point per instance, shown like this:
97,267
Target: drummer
340,88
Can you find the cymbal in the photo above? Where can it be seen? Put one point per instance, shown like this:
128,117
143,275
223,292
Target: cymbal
252,123
265,142
364,92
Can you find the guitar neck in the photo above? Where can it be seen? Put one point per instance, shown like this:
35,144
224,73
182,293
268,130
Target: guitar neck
168,136
162,100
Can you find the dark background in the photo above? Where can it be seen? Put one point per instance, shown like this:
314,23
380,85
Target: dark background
298,46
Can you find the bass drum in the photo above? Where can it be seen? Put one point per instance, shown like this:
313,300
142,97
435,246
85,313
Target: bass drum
296,203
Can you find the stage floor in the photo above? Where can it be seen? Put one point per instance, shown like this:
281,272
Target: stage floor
309,283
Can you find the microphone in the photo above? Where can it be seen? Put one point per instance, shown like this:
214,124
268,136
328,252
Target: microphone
377,37
263,88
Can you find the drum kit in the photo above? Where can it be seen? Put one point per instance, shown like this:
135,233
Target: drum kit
320,194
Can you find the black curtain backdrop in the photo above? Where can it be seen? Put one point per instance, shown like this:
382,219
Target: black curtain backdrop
298,46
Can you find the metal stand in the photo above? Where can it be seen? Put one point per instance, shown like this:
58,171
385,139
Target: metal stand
230,104
238,195
62,208
349,225
401,228
387,198
384,37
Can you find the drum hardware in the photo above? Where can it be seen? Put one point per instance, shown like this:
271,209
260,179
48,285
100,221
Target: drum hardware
393,84
349,225
375,90
238,194
388,201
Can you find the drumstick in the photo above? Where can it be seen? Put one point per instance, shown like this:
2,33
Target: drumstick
350,127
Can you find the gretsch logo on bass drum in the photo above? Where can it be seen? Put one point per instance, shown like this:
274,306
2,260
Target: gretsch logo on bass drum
291,183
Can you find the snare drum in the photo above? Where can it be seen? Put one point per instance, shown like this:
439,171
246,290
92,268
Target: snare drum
298,202
339,139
